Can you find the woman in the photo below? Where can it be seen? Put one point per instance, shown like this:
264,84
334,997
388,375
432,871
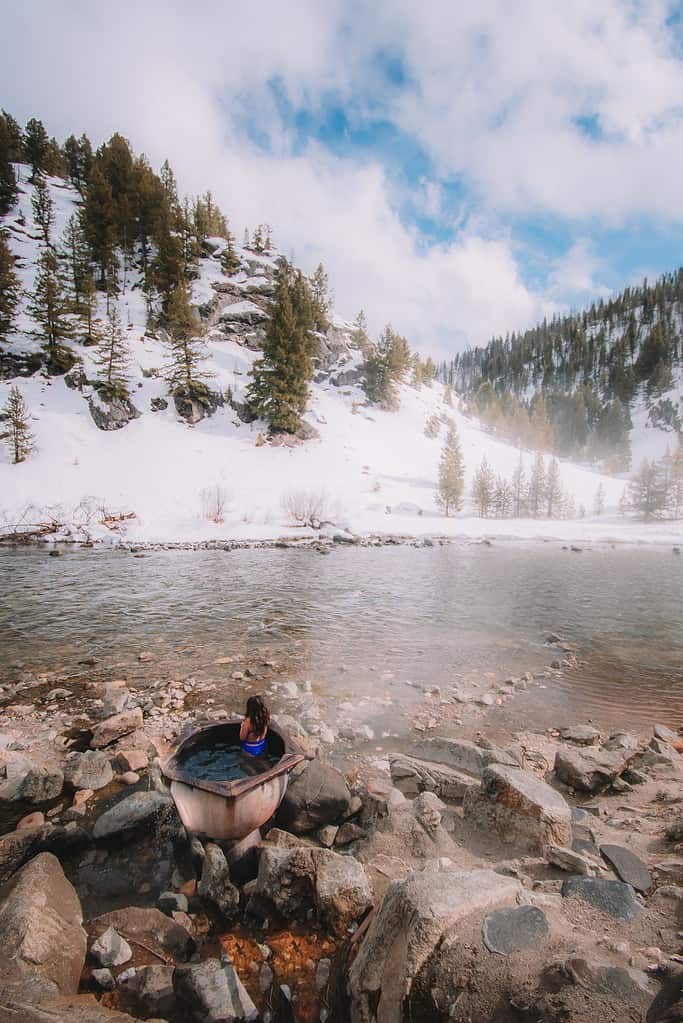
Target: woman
254,728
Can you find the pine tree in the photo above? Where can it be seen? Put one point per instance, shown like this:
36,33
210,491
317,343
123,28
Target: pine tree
91,325
448,395
43,207
599,502
647,490
320,291
9,288
257,241
17,432
536,490
676,482
553,488
245,239
15,138
112,359
451,473
8,180
483,488
359,334
99,223
35,145
186,349
279,388
518,489
502,498
48,307
229,259
385,366
267,238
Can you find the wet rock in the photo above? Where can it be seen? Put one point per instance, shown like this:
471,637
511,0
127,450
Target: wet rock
512,929
211,992
215,884
316,795
149,992
141,809
520,807
115,727
628,867
410,924
27,780
89,770
582,735
571,861
612,897
42,933
590,770
148,926
110,949
425,776
290,881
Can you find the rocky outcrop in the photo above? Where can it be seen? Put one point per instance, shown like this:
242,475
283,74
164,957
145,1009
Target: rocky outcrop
522,809
415,916
113,414
290,881
317,794
44,943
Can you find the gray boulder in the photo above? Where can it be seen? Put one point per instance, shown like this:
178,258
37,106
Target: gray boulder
115,727
410,924
612,897
113,414
316,795
215,884
590,770
521,808
581,735
157,932
149,992
141,809
89,770
667,1006
211,992
415,775
25,780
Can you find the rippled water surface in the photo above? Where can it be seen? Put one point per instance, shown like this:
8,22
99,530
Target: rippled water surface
431,615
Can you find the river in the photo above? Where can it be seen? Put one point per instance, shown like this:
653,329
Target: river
360,621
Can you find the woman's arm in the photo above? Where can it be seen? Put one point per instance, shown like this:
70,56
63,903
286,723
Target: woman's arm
245,728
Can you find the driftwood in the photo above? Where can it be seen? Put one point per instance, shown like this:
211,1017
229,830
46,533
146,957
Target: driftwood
26,535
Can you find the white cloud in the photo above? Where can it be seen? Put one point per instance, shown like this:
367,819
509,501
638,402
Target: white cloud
494,90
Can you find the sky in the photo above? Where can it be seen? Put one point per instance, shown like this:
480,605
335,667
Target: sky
461,169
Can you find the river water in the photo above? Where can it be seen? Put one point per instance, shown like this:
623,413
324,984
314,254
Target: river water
360,620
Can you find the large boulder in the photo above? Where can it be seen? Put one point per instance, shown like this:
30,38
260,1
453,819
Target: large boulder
410,924
415,775
44,943
290,881
211,992
589,769
147,926
129,815
23,779
317,794
16,847
89,770
215,884
521,808
112,414
148,993
465,755
115,727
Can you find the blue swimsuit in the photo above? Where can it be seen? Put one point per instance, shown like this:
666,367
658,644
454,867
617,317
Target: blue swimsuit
254,749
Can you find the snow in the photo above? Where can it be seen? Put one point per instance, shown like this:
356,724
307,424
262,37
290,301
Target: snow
375,470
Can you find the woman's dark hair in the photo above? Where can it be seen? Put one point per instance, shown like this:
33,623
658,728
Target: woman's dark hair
258,714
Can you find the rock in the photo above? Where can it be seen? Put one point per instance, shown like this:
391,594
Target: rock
322,974
26,780
89,770
414,916
425,776
512,929
582,735
42,933
667,1006
464,755
115,727
148,926
31,820
128,778
291,880
521,808
138,810
110,949
327,835
669,871
113,414
628,867
82,796
71,1008
131,760
149,992
215,884
17,847
664,733
348,833
590,770
612,897
316,795
571,861
172,902
283,839
104,979
211,992
622,741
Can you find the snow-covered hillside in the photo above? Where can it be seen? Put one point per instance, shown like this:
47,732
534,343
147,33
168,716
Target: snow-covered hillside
373,471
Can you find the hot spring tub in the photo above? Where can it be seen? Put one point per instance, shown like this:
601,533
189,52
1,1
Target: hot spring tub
229,810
